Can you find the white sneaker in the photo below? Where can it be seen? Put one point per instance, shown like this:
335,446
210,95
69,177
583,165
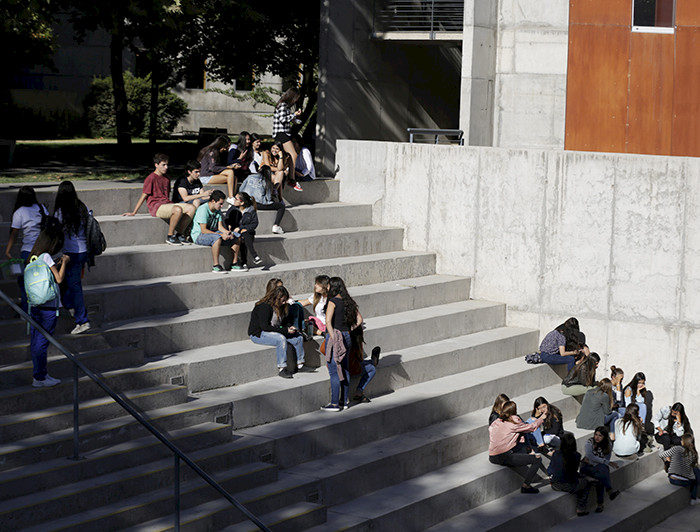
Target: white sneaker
46,383
52,379
277,230
694,502
230,200
81,328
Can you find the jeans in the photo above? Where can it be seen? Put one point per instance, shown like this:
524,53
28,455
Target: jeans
519,461
692,484
600,472
274,206
38,344
296,314
667,440
610,419
73,294
569,360
280,342
541,439
246,241
333,373
368,373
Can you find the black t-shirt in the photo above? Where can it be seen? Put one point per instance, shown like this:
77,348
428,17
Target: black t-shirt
191,188
339,315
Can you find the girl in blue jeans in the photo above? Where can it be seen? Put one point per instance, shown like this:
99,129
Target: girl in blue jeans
269,325
342,316
73,215
47,244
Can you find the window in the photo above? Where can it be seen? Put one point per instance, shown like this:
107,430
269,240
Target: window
654,16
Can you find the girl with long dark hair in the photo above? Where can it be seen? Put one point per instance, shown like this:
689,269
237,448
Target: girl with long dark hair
47,244
342,316
505,448
629,433
670,423
552,427
269,326
553,347
682,463
212,171
596,408
563,469
27,217
73,215
636,392
596,461
282,122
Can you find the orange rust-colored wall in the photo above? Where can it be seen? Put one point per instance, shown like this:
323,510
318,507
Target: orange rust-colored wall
630,91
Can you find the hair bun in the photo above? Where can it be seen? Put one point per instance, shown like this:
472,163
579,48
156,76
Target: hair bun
613,368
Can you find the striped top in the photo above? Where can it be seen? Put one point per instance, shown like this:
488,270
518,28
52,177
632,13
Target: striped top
680,462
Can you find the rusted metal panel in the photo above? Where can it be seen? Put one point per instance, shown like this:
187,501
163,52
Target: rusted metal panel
650,114
597,85
613,12
686,87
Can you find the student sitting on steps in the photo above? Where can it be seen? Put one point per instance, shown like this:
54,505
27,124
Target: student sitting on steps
156,194
208,228
189,188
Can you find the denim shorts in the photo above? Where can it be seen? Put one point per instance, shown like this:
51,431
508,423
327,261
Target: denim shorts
208,239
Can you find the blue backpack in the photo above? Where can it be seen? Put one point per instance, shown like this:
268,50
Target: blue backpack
39,283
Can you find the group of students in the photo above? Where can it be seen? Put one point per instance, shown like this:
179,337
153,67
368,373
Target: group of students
278,320
44,236
620,416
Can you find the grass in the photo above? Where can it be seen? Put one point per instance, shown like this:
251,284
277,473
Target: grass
72,176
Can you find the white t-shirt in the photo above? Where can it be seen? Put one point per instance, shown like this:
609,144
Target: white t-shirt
48,259
28,219
73,243
625,444
255,163
320,310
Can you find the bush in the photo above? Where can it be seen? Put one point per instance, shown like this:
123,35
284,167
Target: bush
99,107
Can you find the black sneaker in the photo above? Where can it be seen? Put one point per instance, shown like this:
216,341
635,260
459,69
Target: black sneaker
286,374
185,240
613,494
331,408
375,355
173,240
217,268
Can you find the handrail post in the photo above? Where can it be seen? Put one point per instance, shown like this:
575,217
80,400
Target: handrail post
76,416
176,475
432,18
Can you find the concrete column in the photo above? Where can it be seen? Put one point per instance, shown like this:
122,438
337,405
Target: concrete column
478,72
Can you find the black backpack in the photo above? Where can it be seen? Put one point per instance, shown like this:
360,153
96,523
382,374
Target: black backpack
96,242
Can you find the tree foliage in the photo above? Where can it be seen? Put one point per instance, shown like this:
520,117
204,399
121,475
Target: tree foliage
99,106
26,33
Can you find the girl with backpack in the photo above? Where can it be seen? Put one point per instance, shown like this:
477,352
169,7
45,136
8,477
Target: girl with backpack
48,243
73,216
28,217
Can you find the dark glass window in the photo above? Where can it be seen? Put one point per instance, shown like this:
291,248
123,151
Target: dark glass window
653,13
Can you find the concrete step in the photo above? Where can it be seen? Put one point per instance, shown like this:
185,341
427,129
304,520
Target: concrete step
116,197
28,424
142,262
110,432
299,516
641,507
514,511
683,520
20,373
26,398
395,274
130,511
144,229
492,492
241,362
367,466
42,476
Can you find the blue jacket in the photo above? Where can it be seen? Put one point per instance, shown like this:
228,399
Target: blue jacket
254,186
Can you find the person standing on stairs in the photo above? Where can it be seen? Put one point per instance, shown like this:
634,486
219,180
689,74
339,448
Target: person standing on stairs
73,216
505,448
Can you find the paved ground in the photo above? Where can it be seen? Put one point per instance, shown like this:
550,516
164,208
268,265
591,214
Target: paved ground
687,520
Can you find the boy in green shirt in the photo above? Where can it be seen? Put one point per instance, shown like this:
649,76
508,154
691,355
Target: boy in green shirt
208,228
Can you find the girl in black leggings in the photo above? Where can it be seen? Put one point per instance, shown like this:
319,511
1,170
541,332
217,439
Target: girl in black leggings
504,446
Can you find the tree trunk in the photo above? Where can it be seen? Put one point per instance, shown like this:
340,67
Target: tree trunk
121,109
153,114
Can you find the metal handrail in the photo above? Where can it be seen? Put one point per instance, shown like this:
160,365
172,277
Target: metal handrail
418,16
457,133
177,453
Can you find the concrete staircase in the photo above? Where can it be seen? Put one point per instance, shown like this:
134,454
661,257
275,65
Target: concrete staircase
171,337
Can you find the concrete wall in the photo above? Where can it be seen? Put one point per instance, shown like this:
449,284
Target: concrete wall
532,47
611,239
374,90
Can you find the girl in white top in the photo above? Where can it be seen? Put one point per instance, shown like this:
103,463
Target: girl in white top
628,431
26,218
318,302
